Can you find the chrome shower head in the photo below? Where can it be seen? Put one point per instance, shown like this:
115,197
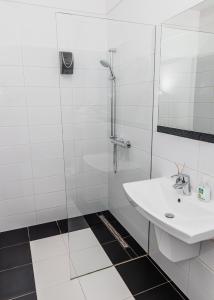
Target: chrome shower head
106,64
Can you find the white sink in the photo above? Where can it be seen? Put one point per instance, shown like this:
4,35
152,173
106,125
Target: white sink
193,219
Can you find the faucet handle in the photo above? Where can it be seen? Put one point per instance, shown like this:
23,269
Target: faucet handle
178,178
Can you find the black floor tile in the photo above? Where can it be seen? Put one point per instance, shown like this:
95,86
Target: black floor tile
43,231
72,224
28,297
15,256
179,291
137,250
115,252
159,268
16,282
102,233
13,237
164,292
140,275
92,219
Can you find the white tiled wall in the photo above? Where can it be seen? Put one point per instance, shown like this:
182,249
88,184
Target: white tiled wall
31,164
31,94
84,97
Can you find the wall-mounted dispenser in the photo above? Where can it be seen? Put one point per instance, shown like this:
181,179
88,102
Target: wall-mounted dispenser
66,63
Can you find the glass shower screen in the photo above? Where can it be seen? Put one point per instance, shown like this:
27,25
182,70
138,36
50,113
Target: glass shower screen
92,186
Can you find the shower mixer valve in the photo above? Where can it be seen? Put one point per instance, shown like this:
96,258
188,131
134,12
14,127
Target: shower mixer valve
120,142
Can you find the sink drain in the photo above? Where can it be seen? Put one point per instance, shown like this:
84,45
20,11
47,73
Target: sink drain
169,215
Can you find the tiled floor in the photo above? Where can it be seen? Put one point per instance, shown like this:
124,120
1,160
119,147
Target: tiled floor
38,262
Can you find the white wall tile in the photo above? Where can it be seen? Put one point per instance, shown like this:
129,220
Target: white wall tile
17,221
67,97
44,115
17,206
13,116
39,76
85,78
10,48
17,171
90,96
52,214
43,134
48,167
49,184
50,200
42,151
206,164
12,96
11,76
200,281
15,154
173,148
21,188
40,55
207,253
42,96
37,34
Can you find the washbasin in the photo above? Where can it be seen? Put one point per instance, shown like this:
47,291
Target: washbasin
183,217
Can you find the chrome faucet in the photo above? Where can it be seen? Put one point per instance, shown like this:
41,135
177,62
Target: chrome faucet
182,184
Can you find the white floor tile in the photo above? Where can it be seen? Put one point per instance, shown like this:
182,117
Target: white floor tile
70,290
106,284
81,239
47,248
52,271
89,260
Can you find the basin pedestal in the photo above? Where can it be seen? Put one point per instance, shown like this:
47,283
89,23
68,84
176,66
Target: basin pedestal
173,248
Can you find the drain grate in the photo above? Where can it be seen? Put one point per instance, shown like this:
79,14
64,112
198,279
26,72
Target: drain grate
114,232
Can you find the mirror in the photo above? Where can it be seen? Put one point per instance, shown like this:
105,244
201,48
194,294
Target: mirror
186,87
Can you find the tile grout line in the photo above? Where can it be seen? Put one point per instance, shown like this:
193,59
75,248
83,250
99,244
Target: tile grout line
17,267
150,289
14,245
31,293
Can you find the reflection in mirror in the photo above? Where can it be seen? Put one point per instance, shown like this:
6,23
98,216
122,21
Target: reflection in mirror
186,90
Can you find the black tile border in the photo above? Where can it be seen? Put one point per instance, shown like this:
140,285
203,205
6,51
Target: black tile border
14,237
199,136
44,230
72,224
140,275
165,289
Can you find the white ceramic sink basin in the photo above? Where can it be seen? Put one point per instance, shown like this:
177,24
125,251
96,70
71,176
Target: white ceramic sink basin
193,220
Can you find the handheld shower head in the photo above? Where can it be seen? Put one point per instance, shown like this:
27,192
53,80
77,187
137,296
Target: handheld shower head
106,64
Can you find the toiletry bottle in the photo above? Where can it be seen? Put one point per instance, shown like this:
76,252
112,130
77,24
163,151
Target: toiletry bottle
204,193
